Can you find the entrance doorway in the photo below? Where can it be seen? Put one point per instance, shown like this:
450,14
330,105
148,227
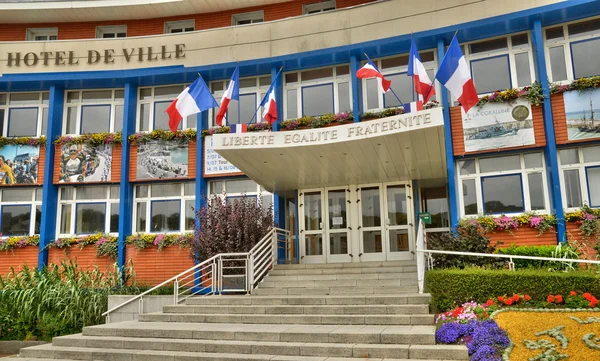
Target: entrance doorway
372,222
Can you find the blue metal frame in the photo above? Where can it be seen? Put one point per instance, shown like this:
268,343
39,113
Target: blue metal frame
37,114
488,58
31,213
356,88
77,204
163,201
316,86
571,50
94,106
499,176
587,183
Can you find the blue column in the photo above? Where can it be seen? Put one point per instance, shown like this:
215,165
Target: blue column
126,188
415,192
450,164
356,85
50,203
201,183
550,149
278,96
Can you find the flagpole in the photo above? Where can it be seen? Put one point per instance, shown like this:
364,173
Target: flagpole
392,90
435,76
272,83
412,78
239,101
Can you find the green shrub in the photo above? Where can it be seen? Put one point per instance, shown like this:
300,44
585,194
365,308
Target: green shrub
565,252
451,287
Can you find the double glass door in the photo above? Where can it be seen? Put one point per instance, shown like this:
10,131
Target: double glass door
356,223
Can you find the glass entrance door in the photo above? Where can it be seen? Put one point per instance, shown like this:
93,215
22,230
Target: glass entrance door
370,224
398,223
311,226
337,226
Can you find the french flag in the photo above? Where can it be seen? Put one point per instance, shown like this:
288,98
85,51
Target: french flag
232,92
238,128
455,75
413,107
369,70
416,69
269,103
192,100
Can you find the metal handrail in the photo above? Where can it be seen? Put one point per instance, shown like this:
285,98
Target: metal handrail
213,266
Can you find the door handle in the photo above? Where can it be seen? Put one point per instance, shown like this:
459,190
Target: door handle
350,228
359,227
351,255
360,255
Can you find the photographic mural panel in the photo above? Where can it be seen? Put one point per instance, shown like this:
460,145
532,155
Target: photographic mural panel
498,125
582,111
161,159
19,164
85,163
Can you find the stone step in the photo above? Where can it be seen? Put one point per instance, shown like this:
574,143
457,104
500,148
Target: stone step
397,282
277,271
300,309
334,290
372,334
50,352
303,319
347,265
372,299
265,348
337,276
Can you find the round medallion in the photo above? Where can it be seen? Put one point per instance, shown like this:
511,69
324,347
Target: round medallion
520,112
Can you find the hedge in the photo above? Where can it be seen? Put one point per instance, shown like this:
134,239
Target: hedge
538,251
451,287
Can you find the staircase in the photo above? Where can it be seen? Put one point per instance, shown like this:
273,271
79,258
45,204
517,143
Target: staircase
333,312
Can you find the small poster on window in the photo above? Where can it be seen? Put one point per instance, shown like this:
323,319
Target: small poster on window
85,163
582,111
162,159
498,125
19,164
214,164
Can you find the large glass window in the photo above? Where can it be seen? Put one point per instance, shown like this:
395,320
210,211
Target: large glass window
23,114
21,211
395,69
580,176
316,92
164,207
252,91
570,47
435,201
88,209
152,104
505,184
93,111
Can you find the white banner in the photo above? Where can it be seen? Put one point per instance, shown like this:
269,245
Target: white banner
214,164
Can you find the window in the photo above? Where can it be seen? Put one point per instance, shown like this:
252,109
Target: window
252,91
248,18
570,47
87,210
21,210
93,111
183,26
435,201
501,63
152,104
319,7
317,91
107,32
580,176
506,184
238,188
164,207
42,34
23,114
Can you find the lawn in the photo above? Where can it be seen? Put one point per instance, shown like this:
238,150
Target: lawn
538,336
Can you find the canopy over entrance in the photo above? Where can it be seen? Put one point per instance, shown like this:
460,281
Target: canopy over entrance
398,148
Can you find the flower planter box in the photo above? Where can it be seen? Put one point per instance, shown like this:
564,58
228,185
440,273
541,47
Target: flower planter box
586,243
85,257
523,236
152,267
18,257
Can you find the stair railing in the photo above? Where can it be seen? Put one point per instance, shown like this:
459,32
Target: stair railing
222,273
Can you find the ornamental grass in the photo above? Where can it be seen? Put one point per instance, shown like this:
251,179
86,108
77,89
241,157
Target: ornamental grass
551,335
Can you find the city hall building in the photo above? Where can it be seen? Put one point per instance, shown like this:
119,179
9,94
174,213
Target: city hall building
84,86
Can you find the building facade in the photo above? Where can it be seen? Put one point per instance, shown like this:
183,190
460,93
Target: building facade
87,151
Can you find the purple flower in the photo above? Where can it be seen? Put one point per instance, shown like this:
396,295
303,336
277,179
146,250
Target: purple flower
159,239
450,332
487,333
486,353
589,217
535,221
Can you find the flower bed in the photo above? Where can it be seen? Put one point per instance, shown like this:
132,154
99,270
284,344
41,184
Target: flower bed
105,245
159,134
91,139
160,240
583,227
40,141
10,243
532,93
317,122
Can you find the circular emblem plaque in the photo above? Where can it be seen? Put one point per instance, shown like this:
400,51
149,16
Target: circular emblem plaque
520,112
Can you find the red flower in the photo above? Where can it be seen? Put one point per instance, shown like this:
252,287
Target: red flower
501,298
457,311
489,302
587,296
558,299
593,302
515,298
527,298
508,301
573,293
550,299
